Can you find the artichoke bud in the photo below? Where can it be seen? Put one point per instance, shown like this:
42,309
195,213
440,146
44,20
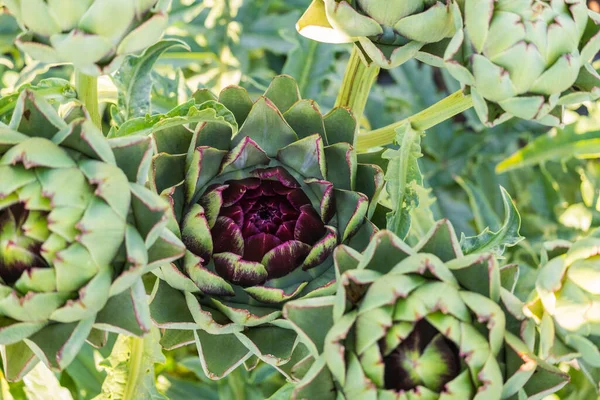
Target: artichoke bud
93,35
388,33
427,322
71,251
529,59
260,212
567,296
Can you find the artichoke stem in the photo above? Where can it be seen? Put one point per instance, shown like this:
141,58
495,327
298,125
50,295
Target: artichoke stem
444,109
87,92
357,83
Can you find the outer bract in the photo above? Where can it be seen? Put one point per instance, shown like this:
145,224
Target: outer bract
567,300
77,231
93,35
389,33
422,323
260,214
526,58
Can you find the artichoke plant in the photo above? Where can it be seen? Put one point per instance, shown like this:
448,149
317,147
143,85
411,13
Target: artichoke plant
260,212
526,59
420,323
566,301
93,35
77,231
388,33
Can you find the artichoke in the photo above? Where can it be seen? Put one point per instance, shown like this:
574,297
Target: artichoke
526,59
567,299
388,33
93,35
260,213
77,231
422,323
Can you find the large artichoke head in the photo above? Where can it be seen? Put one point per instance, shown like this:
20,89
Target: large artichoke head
77,231
260,213
418,323
388,33
567,299
526,59
93,35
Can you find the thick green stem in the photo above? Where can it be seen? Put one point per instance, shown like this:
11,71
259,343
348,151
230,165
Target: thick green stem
357,84
87,92
437,113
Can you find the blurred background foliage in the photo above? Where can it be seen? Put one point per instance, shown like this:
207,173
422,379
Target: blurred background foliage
552,175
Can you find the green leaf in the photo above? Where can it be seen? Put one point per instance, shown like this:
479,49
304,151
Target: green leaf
187,113
42,384
483,211
284,393
560,144
84,372
53,90
403,169
496,242
421,216
130,369
134,80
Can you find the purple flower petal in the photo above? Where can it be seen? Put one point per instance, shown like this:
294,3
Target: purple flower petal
285,231
227,237
298,198
258,245
274,188
236,189
241,272
249,229
278,173
285,258
309,228
235,213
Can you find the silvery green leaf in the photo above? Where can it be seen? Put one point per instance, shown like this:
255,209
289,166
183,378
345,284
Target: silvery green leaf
496,242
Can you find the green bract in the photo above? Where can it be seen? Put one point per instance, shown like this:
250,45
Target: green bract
566,302
93,35
420,323
77,231
526,58
260,214
389,33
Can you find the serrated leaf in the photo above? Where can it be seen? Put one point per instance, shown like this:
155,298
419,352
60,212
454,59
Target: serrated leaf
403,169
130,369
496,242
42,384
187,113
421,216
134,79
559,144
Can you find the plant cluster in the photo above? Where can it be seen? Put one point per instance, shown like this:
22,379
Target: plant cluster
185,220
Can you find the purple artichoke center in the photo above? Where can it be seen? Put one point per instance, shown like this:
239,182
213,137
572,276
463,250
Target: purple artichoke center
425,358
19,250
269,225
